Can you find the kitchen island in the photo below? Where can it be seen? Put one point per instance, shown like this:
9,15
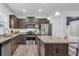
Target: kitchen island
52,46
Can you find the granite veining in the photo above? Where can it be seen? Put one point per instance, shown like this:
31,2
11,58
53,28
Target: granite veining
50,39
4,39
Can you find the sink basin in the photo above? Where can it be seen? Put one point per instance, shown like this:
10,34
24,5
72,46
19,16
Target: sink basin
7,35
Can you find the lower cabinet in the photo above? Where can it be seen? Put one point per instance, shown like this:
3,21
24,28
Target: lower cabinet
52,49
22,39
16,41
14,44
56,49
38,45
8,47
42,49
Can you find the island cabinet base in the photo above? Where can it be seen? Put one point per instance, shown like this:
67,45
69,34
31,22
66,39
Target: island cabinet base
53,49
56,50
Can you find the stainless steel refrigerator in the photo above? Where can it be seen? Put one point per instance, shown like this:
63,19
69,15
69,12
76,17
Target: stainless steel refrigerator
46,29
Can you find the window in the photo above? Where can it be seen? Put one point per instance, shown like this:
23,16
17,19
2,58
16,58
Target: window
3,21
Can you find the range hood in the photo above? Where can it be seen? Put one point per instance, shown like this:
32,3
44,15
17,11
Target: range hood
30,22
30,26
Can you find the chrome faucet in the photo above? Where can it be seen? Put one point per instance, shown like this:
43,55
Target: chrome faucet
6,29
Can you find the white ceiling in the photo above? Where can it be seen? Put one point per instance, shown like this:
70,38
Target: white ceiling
47,8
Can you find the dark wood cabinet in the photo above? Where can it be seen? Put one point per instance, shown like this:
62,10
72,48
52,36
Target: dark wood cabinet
38,45
16,41
8,47
41,21
14,44
13,22
52,49
22,39
22,23
56,49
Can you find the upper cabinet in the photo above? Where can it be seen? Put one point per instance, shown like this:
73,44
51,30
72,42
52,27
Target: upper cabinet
42,21
23,22
13,22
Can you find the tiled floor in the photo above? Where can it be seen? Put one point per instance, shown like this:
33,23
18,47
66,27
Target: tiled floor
26,50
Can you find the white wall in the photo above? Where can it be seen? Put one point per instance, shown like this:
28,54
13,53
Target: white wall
4,11
73,28
59,24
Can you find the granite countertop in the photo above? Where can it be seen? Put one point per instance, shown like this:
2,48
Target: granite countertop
50,39
45,39
73,45
4,39
72,40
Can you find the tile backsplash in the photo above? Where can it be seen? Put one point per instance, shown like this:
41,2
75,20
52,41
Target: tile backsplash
21,30
24,30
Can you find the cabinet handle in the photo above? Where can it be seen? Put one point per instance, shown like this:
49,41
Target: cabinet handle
57,50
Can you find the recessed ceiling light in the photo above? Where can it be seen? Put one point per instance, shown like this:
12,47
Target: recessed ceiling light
24,10
22,3
39,10
57,13
48,18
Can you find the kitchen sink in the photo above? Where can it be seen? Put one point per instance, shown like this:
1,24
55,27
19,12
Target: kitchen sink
7,35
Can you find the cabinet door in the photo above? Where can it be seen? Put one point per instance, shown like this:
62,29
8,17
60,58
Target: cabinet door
13,21
38,45
50,50
14,44
63,50
56,49
22,39
6,49
12,47
42,48
21,23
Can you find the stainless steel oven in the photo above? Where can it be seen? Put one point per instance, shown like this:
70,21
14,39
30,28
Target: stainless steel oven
30,37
